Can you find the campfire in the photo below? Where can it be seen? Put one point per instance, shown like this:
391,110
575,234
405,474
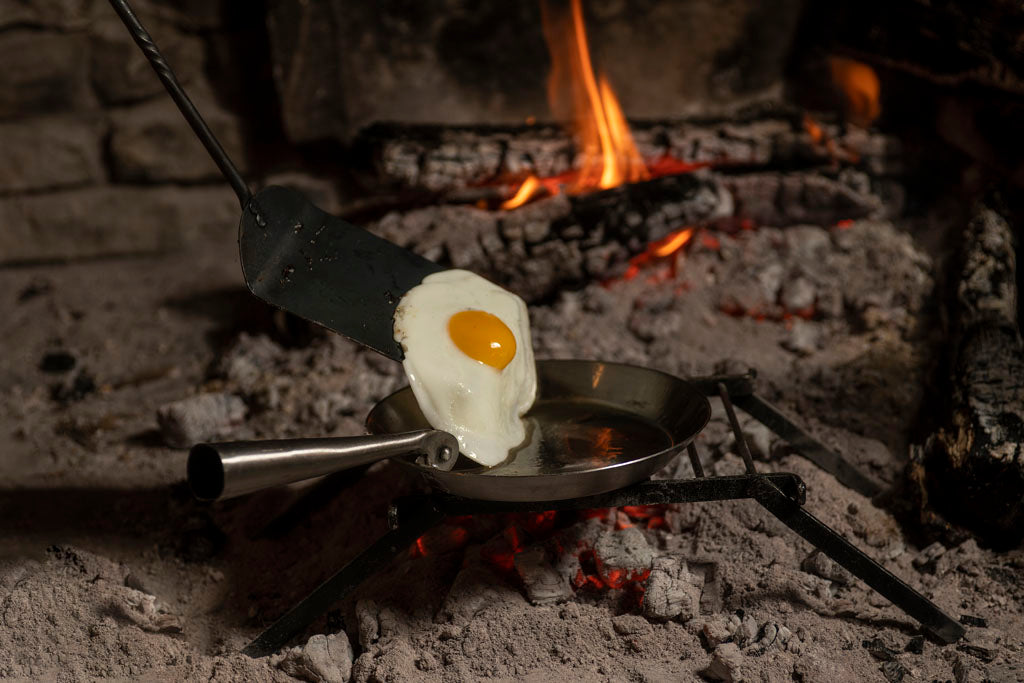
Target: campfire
607,155
803,222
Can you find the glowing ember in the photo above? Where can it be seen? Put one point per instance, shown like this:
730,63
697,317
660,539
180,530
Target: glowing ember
443,539
710,242
653,516
521,531
860,87
836,151
776,314
822,139
861,93
669,165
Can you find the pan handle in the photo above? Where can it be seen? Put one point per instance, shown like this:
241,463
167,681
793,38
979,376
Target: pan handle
224,470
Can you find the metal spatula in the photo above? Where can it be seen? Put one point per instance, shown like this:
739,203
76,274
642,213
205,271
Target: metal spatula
295,256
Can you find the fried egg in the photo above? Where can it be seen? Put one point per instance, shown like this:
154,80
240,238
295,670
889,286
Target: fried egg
469,360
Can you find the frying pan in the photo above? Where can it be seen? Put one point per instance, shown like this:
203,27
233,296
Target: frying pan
595,427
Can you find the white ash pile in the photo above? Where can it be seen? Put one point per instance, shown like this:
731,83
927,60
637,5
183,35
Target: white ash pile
77,615
720,590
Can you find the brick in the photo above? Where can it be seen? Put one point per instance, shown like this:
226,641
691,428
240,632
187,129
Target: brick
153,143
122,74
49,153
43,73
61,14
107,221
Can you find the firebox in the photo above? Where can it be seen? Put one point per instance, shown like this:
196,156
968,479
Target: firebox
768,255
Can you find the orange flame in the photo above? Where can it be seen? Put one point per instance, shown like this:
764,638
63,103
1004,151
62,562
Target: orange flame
658,252
609,155
523,194
860,87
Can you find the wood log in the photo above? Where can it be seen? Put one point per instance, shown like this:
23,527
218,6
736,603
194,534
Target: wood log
441,159
560,241
972,468
564,241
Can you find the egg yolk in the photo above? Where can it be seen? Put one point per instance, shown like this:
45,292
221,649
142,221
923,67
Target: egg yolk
483,337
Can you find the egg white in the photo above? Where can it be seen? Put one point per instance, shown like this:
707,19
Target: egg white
477,403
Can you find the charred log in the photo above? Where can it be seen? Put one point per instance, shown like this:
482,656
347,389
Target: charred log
559,241
972,468
444,158
565,241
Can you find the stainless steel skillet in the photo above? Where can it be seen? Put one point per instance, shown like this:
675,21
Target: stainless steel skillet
595,427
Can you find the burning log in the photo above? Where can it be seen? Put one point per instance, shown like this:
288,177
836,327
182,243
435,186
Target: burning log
972,469
566,241
561,241
443,159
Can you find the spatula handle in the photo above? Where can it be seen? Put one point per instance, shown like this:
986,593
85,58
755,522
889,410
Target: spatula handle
177,93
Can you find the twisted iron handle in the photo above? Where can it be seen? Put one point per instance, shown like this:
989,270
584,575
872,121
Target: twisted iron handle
177,93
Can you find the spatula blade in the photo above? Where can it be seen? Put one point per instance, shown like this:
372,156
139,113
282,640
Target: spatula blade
321,268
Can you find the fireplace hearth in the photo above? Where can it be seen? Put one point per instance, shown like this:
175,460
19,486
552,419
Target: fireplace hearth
699,188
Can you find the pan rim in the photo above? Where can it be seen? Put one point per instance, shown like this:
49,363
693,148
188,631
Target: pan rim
638,462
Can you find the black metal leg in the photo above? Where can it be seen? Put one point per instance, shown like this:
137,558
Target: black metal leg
857,563
741,442
415,522
740,389
318,496
806,445
698,469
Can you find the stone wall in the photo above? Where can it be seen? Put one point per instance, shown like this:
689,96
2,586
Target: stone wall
96,161
345,64
94,158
